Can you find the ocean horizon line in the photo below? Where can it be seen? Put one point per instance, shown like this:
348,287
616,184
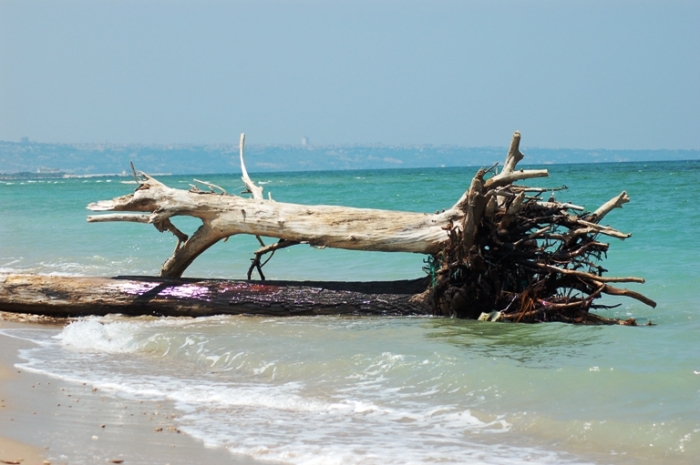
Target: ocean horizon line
324,146
55,174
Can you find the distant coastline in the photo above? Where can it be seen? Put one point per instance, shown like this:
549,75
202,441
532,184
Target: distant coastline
28,160
44,175
22,175
32,176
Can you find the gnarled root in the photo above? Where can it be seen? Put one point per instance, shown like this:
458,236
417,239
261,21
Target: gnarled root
520,259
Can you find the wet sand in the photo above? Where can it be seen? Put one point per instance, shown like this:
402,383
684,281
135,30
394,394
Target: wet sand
46,420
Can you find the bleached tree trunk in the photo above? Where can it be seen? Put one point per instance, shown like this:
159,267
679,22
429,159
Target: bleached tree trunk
224,215
318,225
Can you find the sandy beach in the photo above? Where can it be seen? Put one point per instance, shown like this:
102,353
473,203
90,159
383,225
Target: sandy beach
49,421
19,453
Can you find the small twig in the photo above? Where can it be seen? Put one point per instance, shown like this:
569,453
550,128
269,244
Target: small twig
212,186
627,293
566,206
255,265
615,202
491,168
605,279
128,217
537,189
133,171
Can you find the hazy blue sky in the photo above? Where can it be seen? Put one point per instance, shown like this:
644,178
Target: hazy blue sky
581,74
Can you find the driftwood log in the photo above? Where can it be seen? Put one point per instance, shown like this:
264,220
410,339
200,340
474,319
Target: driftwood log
500,253
61,297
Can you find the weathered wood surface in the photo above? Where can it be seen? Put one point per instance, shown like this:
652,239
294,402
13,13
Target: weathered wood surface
224,215
60,296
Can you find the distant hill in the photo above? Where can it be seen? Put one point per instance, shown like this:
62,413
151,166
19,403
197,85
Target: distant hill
90,159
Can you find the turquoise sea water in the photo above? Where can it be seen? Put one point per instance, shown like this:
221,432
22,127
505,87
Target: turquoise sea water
388,390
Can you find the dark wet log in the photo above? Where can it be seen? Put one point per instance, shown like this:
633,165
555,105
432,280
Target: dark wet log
60,296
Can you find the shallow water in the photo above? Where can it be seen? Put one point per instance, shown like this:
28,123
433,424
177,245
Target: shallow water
388,390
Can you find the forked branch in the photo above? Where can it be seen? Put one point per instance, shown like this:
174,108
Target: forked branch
257,263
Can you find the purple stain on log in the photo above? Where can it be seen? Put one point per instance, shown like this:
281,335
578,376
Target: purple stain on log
133,288
180,291
198,291
187,291
248,287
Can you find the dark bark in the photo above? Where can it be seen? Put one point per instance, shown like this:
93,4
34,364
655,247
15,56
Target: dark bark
58,296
